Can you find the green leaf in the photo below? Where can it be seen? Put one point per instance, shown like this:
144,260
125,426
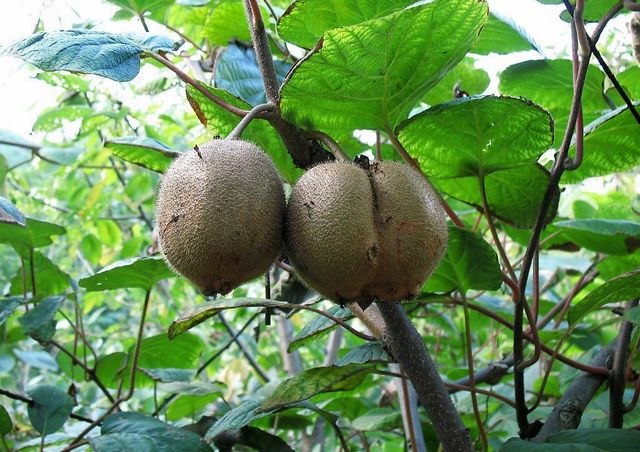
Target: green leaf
378,419
56,117
169,375
604,236
469,263
91,248
611,440
237,72
502,36
305,21
633,315
471,80
477,135
371,352
196,388
135,431
226,23
85,51
236,418
188,406
315,381
549,83
611,145
50,409
318,327
219,121
142,273
205,311
10,214
519,445
35,235
50,280
399,58
513,195
630,81
6,424
37,359
156,352
622,288
7,306
145,152
39,321
141,6
593,10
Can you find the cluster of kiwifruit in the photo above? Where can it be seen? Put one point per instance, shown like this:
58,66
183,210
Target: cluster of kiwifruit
352,232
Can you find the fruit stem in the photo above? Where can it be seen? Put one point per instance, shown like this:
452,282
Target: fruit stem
334,148
406,345
236,133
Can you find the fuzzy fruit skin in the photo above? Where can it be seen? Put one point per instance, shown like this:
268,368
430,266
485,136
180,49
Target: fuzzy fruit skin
361,235
220,214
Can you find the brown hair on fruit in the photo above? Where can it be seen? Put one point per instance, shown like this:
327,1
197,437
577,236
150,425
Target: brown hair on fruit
357,234
220,213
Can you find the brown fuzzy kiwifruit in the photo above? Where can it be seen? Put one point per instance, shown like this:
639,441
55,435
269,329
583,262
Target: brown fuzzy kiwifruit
357,234
220,214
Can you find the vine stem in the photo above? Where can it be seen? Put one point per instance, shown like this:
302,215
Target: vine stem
556,173
236,133
406,345
334,148
261,47
618,378
187,79
472,380
132,376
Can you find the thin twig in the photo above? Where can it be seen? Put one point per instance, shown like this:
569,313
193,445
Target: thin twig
617,381
187,79
236,133
334,148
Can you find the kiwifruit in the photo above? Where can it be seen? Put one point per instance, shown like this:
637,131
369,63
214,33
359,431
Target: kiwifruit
220,214
356,234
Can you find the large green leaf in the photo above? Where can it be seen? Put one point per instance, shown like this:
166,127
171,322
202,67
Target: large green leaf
630,81
39,321
135,431
587,440
470,79
469,263
604,236
87,51
513,195
155,352
36,234
549,83
315,381
50,279
220,122
477,135
142,273
145,152
50,409
305,21
6,424
370,75
318,327
622,288
502,36
237,71
141,6
611,144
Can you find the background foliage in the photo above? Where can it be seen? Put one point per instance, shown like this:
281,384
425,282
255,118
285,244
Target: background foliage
80,265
